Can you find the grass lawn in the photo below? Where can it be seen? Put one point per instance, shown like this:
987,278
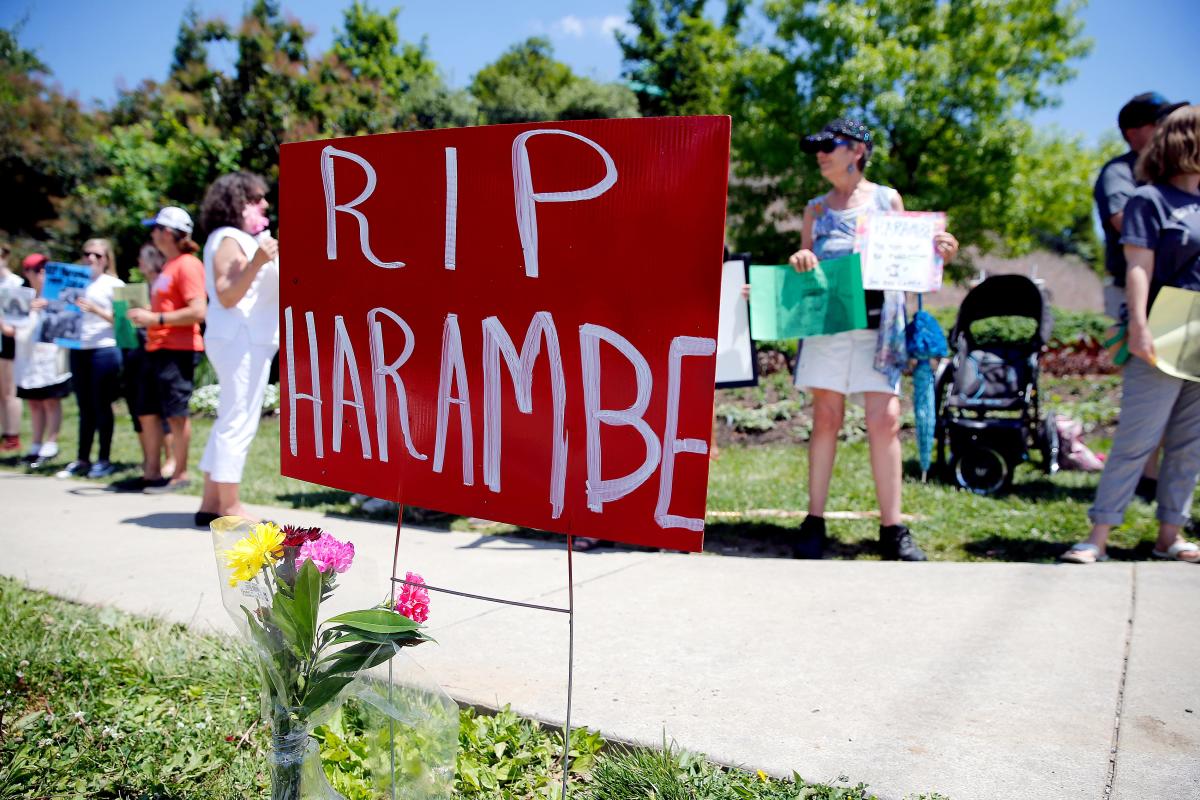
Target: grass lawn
766,469
96,703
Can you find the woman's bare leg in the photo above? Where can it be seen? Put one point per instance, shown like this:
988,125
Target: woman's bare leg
883,435
829,408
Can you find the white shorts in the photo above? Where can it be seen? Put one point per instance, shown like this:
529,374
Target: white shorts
843,363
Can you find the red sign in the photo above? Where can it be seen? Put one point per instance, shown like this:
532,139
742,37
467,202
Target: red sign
514,322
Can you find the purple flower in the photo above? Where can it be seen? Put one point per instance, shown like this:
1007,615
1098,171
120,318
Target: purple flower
327,554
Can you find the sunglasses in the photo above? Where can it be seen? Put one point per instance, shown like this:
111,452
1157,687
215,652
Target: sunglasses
826,145
89,254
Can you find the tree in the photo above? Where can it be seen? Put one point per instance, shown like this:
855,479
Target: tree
945,86
45,144
587,99
527,84
524,81
373,82
679,61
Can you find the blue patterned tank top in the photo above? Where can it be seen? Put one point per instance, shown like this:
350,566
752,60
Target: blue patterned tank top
834,232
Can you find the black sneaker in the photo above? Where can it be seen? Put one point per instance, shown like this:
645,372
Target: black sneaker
810,538
896,544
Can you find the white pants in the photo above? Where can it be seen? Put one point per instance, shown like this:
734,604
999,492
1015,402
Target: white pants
242,370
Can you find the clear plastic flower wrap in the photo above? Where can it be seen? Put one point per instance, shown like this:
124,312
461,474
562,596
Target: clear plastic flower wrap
351,716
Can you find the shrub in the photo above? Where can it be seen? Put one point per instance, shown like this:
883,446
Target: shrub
206,399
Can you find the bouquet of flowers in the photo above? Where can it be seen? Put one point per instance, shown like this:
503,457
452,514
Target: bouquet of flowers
275,582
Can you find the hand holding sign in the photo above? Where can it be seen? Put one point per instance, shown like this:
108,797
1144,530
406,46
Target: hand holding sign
904,250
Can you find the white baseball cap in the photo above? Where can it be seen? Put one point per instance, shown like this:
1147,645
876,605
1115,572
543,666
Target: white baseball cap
172,217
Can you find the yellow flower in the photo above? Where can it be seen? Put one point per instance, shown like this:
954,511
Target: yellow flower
249,555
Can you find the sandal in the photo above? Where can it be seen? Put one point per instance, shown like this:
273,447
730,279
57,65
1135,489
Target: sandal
1180,551
1083,553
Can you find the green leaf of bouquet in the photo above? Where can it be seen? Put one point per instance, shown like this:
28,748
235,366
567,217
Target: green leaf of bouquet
322,691
283,617
308,600
350,660
346,635
266,655
374,620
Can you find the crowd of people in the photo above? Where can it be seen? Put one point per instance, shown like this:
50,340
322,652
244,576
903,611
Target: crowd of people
1149,205
225,306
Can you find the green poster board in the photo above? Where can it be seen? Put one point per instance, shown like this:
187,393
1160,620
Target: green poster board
126,333
785,304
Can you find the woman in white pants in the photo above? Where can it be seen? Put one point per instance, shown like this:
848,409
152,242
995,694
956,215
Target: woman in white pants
242,333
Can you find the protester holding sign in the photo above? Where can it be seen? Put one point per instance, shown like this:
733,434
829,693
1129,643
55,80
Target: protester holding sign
95,362
10,406
43,378
862,364
173,345
1161,235
242,279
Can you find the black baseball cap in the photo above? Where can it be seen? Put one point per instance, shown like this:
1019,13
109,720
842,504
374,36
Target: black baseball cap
1145,109
840,127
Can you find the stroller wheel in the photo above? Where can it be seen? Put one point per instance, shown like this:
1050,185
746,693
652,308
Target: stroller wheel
981,470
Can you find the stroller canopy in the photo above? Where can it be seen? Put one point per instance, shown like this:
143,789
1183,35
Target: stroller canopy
1006,296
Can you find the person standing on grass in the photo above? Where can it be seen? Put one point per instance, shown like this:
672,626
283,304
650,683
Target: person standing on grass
96,364
136,379
864,365
242,278
41,374
1161,236
1116,183
10,406
173,346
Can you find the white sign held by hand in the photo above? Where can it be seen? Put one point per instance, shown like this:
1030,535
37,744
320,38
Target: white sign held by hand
898,251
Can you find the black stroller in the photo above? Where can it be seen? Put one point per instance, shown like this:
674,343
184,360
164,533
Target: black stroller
988,414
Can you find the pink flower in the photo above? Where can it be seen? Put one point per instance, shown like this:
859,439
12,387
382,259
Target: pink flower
255,222
412,601
326,553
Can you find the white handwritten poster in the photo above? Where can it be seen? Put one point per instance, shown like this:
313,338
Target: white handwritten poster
898,252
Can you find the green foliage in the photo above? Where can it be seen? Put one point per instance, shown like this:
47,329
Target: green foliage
1069,325
674,774
760,418
46,146
508,757
1050,196
101,704
1072,325
945,87
679,60
527,84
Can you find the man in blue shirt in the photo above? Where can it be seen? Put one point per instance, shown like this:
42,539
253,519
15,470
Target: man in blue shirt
1137,120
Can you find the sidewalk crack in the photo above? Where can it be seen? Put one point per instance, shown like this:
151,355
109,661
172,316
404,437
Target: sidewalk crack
1113,752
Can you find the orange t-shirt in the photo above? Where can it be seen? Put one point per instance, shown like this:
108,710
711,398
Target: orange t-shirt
181,280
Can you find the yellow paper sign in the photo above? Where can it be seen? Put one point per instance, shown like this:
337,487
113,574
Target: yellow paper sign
1175,325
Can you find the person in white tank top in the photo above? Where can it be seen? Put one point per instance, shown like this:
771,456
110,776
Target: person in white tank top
242,277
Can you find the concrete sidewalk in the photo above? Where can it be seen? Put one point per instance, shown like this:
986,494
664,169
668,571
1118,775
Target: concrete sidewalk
973,680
